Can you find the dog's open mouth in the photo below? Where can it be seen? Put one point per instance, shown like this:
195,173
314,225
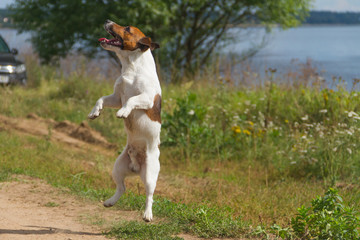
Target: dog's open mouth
114,42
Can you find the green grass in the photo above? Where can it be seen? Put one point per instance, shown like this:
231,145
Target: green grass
233,158
136,230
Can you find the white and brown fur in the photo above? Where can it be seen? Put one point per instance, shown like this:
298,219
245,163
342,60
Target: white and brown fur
137,95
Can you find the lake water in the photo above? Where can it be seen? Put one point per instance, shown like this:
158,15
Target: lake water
334,50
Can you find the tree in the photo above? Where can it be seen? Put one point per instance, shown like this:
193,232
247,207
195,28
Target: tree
58,27
189,31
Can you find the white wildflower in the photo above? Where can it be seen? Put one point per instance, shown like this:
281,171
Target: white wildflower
349,132
247,102
334,149
305,118
344,125
349,150
323,111
280,152
293,162
352,114
191,112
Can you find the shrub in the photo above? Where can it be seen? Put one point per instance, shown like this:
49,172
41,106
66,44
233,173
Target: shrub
185,126
327,218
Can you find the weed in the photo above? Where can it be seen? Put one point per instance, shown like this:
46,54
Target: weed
136,230
327,218
51,204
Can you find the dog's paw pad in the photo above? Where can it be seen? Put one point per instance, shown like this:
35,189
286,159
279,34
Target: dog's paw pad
108,203
93,116
148,216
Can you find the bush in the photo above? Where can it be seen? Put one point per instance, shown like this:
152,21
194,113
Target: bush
327,218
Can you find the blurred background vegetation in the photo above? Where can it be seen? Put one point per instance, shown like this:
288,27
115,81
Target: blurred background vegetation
189,31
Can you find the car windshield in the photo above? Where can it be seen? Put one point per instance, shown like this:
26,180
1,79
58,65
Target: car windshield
3,46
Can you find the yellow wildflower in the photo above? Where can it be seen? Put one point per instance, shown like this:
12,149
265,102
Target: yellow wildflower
247,132
326,97
236,129
251,123
286,121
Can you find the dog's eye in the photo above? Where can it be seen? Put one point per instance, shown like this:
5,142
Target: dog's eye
127,29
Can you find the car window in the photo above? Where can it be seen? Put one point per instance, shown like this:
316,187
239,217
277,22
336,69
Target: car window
3,46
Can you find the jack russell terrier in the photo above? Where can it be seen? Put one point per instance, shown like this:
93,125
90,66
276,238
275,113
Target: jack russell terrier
137,95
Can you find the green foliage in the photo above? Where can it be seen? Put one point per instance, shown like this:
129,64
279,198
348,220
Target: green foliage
140,230
327,218
185,126
189,31
198,219
201,220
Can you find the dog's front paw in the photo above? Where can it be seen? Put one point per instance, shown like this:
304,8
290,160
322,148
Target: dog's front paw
95,112
123,112
148,216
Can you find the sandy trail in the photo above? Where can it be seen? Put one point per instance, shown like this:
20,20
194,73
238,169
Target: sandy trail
32,209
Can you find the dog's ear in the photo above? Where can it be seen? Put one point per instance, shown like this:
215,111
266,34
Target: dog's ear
145,43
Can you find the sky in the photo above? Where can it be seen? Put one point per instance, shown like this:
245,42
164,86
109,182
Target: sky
330,5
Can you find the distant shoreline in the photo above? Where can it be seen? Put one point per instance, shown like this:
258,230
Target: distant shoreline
301,25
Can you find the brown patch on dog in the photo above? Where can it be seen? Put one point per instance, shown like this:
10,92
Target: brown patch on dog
155,112
133,38
137,156
141,156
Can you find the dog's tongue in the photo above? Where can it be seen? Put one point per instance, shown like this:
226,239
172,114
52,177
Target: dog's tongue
103,40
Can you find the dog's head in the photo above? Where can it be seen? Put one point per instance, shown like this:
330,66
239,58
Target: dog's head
126,39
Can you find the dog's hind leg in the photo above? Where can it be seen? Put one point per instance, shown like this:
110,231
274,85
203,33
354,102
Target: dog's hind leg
120,170
149,175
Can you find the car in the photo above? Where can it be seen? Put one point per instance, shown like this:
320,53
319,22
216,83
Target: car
12,71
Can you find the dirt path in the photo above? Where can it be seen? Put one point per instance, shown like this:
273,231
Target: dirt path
32,209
